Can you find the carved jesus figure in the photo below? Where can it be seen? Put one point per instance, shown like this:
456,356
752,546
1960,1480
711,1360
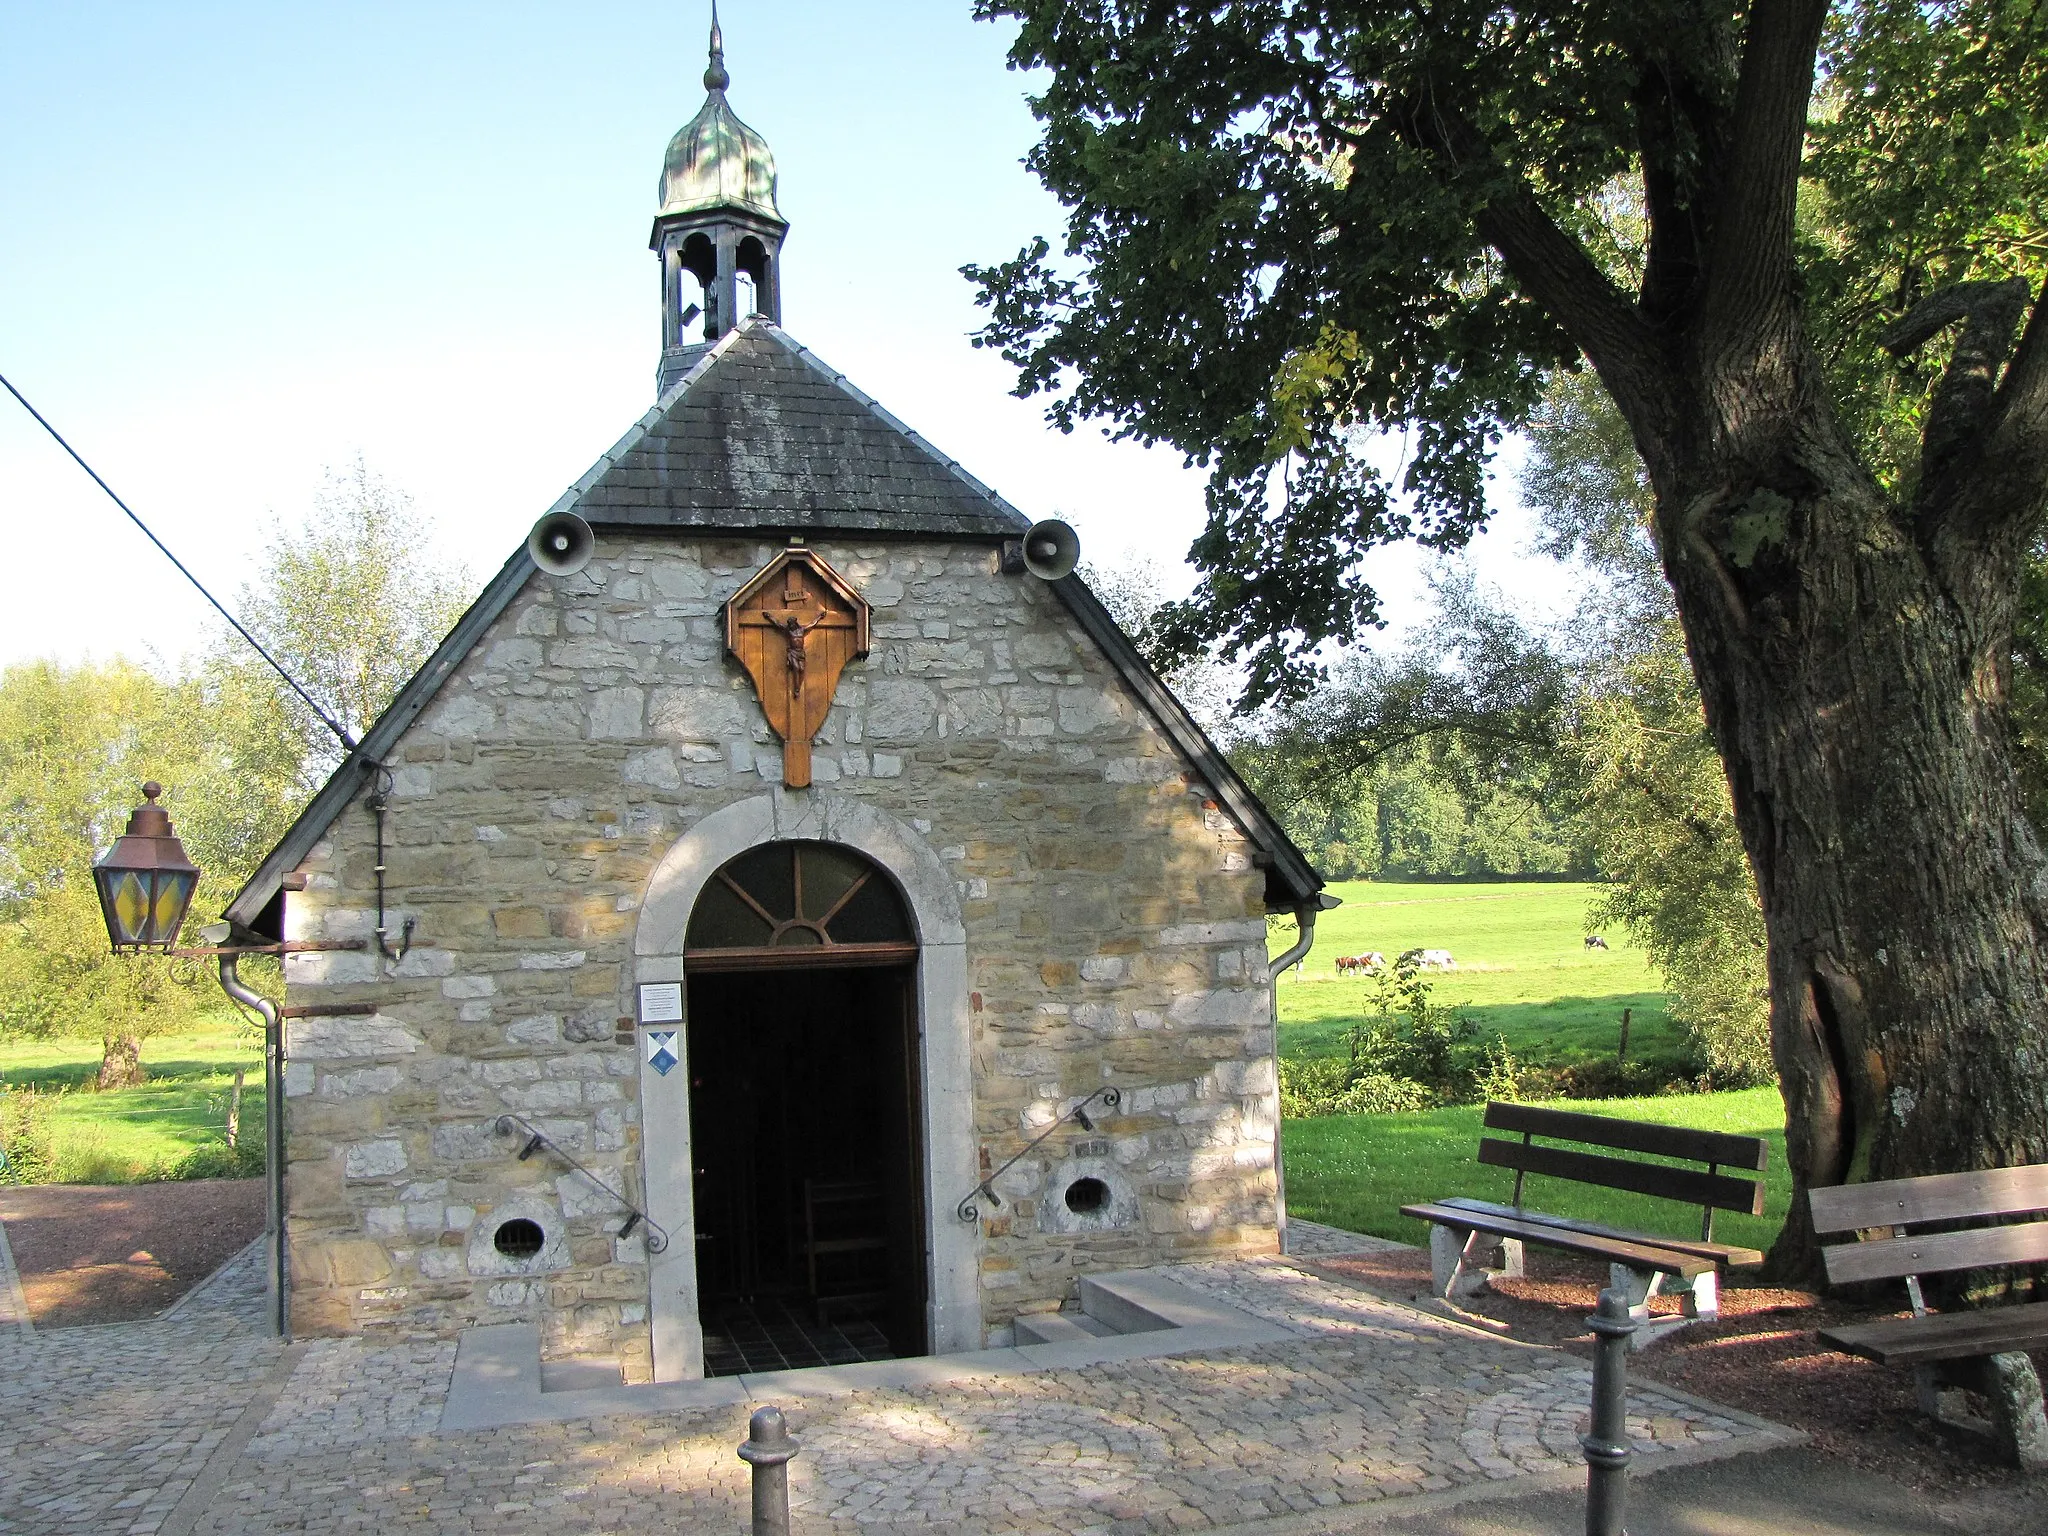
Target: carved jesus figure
798,632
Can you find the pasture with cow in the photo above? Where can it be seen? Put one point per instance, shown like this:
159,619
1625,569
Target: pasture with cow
1519,967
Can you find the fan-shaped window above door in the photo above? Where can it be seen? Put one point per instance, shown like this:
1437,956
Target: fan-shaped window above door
809,904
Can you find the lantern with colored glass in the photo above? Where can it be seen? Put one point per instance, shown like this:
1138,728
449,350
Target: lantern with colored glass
145,881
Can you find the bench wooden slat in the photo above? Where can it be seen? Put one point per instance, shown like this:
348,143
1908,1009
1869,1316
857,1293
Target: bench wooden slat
1933,1253
1726,1253
1687,1184
1636,1253
1935,1197
1722,1147
1944,1335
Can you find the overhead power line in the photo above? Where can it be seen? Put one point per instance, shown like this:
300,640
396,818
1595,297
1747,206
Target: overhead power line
348,742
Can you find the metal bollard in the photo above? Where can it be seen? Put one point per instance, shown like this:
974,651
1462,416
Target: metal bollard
1606,1447
767,1450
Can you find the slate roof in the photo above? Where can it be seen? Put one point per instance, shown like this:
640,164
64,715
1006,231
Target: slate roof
760,436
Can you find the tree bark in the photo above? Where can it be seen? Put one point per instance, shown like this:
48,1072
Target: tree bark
121,1063
1852,677
1852,651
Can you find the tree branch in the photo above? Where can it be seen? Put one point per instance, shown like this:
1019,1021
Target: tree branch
1961,405
1552,267
1750,263
1986,492
1555,270
2021,405
1679,177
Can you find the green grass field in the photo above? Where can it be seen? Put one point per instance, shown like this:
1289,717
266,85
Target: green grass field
134,1134
1522,969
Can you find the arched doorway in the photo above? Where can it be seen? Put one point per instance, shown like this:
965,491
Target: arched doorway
805,1111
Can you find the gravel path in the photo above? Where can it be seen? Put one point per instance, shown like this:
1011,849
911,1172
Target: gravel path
122,1252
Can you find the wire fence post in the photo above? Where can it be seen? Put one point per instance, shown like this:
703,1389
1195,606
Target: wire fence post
768,1450
1606,1445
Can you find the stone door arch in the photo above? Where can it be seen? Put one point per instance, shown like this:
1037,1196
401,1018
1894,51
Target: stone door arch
953,1320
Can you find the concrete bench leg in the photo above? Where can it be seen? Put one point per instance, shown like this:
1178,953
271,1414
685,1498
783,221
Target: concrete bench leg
1703,1300
2016,1417
1639,1285
1928,1385
2009,1386
1458,1261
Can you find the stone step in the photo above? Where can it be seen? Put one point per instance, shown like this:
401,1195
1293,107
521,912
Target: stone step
1059,1328
1120,1306
580,1374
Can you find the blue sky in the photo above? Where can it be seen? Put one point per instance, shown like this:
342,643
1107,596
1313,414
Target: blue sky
241,244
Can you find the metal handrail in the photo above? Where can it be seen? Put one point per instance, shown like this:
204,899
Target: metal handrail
967,1210
536,1138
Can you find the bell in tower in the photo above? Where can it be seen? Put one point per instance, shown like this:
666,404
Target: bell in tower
718,234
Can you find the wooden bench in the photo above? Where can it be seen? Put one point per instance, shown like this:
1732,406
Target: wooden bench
1984,1351
1472,1242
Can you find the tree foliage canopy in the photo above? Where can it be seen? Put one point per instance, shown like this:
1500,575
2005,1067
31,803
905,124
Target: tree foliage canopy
1295,225
352,604
76,744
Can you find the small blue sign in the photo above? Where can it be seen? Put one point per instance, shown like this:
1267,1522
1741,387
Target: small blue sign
661,1050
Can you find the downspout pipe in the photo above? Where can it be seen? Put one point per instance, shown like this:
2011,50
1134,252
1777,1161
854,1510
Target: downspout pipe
1305,924
273,1133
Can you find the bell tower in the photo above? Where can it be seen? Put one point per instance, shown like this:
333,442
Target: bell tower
719,234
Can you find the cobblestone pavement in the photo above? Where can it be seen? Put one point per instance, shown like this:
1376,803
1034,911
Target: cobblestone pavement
1311,1239
153,1428
106,1428
13,1305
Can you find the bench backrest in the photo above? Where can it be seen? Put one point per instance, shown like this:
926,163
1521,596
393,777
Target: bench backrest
1712,1190
1900,1203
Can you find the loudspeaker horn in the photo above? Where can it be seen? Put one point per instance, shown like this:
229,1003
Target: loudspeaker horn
561,543
1051,550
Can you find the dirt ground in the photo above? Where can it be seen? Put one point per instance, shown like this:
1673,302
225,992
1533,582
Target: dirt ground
1761,1355
114,1253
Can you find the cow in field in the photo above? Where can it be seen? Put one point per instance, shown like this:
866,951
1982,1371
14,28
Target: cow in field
1595,941
1360,965
1428,959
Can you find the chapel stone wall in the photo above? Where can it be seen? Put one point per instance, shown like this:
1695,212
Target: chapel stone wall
1114,919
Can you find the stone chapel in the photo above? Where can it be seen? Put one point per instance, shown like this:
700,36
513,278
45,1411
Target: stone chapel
781,902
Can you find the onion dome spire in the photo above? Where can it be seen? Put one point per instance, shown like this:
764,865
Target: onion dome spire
718,232
715,77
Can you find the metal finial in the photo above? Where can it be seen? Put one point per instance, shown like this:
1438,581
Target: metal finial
715,78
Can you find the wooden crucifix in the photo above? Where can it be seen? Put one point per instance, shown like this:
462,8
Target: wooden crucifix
794,626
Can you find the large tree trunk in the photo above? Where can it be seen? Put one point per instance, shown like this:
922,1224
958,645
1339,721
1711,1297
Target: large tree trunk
1851,660
121,1063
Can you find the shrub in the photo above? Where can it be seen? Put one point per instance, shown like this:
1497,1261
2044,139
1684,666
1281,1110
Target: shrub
1604,1078
1409,1036
1407,1053
25,1137
85,1158
216,1160
1499,1075
1332,1086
